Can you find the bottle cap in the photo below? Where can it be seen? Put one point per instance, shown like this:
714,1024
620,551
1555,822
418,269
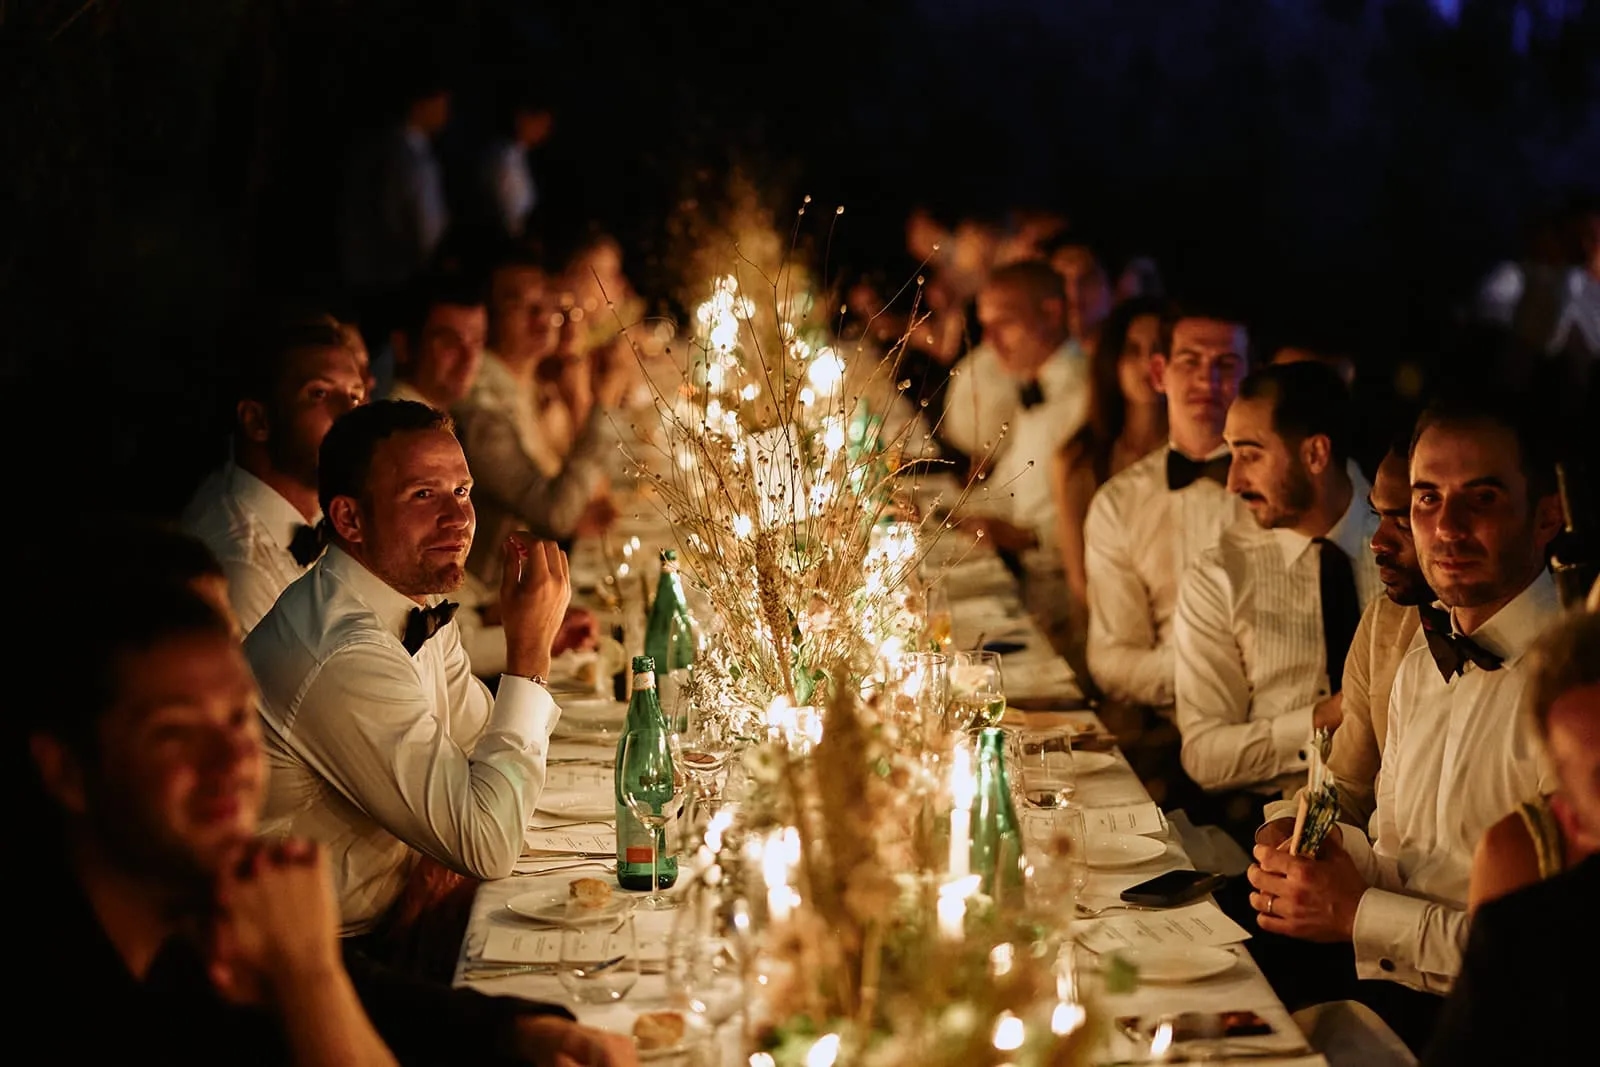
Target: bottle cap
669,553
644,663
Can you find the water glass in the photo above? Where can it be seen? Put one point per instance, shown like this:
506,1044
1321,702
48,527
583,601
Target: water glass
1049,778
599,958
918,687
1055,842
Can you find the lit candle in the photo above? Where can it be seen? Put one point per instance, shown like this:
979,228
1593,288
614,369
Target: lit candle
952,906
962,790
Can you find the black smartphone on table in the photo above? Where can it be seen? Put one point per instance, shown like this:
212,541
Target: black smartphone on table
1173,888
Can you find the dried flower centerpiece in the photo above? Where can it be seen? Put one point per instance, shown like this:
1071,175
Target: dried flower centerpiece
777,463
851,956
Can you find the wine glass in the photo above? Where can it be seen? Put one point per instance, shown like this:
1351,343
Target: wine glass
706,742
599,957
977,690
705,968
653,788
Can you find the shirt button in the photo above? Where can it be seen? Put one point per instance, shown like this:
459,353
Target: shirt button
1387,965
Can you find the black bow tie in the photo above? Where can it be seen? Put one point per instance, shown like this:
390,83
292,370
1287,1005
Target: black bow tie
423,623
1031,395
1452,651
307,543
1183,471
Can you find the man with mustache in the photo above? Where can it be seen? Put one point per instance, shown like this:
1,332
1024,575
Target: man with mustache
383,744
1459,752
1266,616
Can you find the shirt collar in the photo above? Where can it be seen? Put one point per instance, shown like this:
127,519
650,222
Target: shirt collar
392,607
1350,533
269,506
1216,453
1512,629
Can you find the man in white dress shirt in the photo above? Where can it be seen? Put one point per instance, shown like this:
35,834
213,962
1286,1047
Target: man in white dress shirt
258,512
1265,616
382,742
438,341
1148,523
1459,752
1022,308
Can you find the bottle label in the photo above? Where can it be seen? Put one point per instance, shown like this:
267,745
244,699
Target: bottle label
638,854
644,680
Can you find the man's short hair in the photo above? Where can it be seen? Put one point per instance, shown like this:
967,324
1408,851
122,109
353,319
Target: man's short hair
1034,277
429,291
344,462
154,611
1215,309
1507,410
1566,656
1307,399
270,345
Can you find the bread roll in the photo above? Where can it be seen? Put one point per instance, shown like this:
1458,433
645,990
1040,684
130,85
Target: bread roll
658,1029
590,892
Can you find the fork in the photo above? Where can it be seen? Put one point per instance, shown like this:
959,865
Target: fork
1086,912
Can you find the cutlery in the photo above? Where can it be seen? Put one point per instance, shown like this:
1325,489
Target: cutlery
566,825
1210,1052
478,972
1085,911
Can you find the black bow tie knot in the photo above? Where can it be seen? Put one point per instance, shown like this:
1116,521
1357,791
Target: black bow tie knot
1031,395
423,623
1452,651
1183,471
307,543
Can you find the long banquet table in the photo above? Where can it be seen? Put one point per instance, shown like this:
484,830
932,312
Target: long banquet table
985,604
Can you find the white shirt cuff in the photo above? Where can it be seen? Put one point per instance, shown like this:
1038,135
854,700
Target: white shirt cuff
1291,740
1385,936
525,710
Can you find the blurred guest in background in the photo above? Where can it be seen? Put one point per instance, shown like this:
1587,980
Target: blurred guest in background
1126,420
438,340
259,511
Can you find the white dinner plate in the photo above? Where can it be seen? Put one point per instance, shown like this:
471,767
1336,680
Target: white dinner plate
1089,762
578,806
1109,851
1188,963
550,906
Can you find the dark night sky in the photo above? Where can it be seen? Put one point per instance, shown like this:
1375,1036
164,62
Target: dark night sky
1347,167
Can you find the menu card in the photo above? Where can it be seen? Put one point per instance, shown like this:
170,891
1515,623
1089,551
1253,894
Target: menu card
1142,818
1195,924
579,844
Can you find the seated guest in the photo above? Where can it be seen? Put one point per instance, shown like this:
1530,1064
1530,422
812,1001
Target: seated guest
258,512
195,940
1530,955
1087,287
1265,617
1148,523
1459,752
1126,421
438,343
1385,632
383,744
1023,312
522,482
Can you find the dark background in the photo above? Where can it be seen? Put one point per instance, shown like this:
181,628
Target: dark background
1350,168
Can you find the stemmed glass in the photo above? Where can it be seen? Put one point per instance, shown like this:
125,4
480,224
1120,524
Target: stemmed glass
977,690
654,790
938,632
705,969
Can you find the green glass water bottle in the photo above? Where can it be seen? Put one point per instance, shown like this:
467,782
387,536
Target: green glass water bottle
636,843
996,855
670,636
